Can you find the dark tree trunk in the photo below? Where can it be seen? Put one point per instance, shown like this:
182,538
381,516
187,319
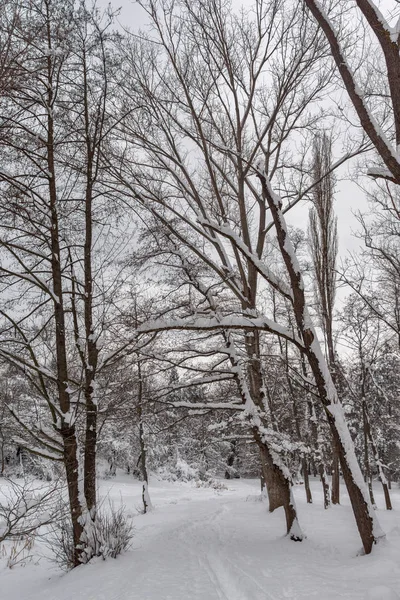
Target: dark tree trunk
90,456
325,485
67,429
278,488
306,481
230,461
387,496
367,523
335,476
72,474
358,502
3,458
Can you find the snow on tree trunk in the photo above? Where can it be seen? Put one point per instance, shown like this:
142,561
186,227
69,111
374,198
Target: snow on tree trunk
364,513
279,489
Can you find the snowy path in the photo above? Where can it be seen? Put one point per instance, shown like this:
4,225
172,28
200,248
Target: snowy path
203,545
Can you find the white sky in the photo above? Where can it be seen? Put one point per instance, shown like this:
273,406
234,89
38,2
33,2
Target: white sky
349,198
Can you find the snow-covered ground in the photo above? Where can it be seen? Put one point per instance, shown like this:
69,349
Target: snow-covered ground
205,544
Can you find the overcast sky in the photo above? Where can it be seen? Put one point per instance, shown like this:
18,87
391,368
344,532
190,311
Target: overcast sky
348,198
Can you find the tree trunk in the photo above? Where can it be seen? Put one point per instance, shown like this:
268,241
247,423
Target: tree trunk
72,474
67,429
278,489
318,458
147,506
335,476
278,482
387,496
325,484
3,461
230,461
306,481
381,474
358,501
90,456
367,522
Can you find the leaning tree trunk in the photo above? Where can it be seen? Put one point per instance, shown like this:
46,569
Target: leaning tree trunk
363,511
277,476
367,522
278,489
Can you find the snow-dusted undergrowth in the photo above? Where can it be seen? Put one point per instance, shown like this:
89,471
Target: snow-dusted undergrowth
205,544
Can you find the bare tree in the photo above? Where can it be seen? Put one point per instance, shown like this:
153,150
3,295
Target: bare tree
224,144
324,248
378,110
52,239
362,331
203,115
385,139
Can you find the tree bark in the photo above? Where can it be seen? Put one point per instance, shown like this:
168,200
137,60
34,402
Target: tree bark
367,522
335,476
147,506
325,484
72,471
306,481
278,488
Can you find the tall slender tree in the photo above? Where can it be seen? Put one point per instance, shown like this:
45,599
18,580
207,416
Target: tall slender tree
324,248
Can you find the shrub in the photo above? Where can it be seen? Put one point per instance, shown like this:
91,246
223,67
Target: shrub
107,535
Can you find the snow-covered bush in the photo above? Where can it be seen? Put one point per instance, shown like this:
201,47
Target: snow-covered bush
106,536
185,472
215,484
110,533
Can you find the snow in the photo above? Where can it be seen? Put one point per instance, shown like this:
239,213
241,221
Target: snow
231,322
206,544
381,592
